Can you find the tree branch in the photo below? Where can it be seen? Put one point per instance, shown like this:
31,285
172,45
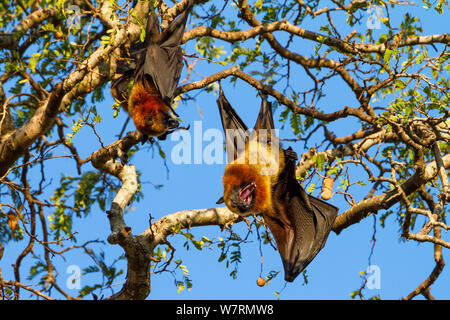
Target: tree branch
385,201
282,99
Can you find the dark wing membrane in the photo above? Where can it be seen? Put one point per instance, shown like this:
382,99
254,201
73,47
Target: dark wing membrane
300,223
126,70
325,214
174,33
164,65
265,116
233,126
164,59
159,57
152,31
119,88
125,73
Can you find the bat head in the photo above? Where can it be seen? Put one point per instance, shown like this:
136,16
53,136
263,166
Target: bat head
151,115
157,124
242,198
245,191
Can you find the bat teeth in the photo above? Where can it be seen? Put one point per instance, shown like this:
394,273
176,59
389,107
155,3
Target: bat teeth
246,193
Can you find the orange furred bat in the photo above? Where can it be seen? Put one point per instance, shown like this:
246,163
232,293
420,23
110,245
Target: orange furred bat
146,80
260,179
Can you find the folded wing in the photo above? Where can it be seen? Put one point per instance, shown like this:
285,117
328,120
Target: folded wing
300,223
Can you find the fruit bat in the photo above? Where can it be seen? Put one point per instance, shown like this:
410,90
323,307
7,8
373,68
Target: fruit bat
260,178
146,80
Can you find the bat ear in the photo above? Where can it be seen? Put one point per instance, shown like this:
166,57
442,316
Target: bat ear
221,200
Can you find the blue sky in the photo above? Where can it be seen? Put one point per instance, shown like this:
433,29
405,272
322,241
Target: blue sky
333,274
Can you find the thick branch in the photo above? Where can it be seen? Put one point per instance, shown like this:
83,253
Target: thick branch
385,201
21,139
308,63
10,41
282,99
344,46
190,218
90,74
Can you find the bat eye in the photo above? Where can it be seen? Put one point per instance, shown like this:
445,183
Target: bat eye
148,120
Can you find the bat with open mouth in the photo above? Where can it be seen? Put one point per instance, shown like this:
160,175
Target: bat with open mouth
260,178
146,80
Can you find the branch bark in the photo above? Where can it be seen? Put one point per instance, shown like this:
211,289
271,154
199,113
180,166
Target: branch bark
385,201
282,99
10,41
342,45
90,74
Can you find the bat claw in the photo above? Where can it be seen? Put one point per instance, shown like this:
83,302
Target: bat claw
163,137
226,226
144,139
183,128
221,200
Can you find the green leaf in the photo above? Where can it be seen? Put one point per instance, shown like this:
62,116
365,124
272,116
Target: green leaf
311,188
387,55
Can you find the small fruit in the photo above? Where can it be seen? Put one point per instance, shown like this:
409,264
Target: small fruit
261,282
59,35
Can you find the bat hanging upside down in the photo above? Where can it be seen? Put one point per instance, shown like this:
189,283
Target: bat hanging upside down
146,81
260,179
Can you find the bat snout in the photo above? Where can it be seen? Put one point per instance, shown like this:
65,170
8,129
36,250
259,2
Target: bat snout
172,123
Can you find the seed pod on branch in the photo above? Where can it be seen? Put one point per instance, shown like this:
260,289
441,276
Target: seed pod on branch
12,221
327,188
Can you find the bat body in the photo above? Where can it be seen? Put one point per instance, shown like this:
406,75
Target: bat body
146,80
260,178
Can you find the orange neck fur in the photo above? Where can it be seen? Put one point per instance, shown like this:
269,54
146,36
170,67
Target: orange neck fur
150,100
147,109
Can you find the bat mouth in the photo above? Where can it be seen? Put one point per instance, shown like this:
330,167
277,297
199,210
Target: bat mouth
246,193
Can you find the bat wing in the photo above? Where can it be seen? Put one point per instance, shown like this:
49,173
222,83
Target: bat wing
265,116
126,70
233,126
174,33
152,31
300,223
119,87
163,60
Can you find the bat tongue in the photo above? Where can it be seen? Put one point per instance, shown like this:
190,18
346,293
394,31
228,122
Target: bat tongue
246,193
